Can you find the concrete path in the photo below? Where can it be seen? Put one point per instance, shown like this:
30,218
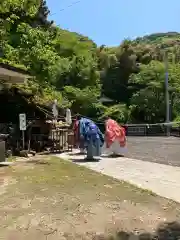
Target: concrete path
161,179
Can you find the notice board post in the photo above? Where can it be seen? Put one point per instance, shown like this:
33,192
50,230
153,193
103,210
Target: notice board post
22,126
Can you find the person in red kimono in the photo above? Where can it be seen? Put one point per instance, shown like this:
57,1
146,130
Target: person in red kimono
115,138
76,133
78,140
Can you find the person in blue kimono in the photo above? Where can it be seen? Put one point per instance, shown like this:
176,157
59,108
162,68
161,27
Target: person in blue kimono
81,126
92,137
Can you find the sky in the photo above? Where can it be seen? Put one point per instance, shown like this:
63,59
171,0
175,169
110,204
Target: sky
109,22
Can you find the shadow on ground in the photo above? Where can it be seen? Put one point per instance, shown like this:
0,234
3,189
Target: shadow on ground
165,231
76,154
84,160
112,156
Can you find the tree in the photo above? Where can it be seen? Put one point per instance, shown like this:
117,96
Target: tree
33,12
84,101
70,66
116,77
149,102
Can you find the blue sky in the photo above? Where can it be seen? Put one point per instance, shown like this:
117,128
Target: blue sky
110,21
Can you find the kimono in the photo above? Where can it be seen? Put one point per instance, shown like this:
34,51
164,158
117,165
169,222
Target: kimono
92,137
115,138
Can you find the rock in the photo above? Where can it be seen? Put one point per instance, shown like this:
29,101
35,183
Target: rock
23,153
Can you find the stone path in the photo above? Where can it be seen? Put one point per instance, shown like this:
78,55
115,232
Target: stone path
161,179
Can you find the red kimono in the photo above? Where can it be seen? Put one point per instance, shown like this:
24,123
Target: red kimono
76,133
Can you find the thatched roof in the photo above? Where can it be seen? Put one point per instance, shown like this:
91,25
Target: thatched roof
11,74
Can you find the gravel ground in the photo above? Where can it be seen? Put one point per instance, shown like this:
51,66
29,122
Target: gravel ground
163,150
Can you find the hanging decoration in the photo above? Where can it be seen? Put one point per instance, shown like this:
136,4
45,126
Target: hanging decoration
68,117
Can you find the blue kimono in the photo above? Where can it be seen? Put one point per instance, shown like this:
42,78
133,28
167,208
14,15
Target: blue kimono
81,127
92,136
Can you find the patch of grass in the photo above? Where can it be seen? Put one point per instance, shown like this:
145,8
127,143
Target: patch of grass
57,174
11,159
59,195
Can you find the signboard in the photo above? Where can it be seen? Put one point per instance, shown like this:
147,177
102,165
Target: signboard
22,121
55,109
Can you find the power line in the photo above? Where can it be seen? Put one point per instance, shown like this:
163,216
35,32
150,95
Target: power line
62,9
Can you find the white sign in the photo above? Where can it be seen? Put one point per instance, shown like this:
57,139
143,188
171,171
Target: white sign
22,121
55,109
68,117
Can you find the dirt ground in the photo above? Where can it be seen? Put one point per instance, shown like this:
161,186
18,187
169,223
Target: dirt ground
47,198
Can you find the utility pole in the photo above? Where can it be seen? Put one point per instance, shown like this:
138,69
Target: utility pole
167,94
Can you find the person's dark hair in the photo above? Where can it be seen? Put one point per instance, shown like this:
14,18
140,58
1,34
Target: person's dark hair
106,118
78,117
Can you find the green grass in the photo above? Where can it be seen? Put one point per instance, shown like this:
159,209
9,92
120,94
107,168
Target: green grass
59,192
11,159
65,176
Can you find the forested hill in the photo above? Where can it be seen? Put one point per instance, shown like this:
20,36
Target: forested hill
158,37
74,70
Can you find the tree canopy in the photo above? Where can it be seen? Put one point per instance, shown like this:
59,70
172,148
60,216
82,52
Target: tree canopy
73,69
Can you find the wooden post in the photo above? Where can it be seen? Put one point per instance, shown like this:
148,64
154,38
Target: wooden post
23,139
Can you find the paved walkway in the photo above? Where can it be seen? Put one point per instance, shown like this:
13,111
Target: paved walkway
161,179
